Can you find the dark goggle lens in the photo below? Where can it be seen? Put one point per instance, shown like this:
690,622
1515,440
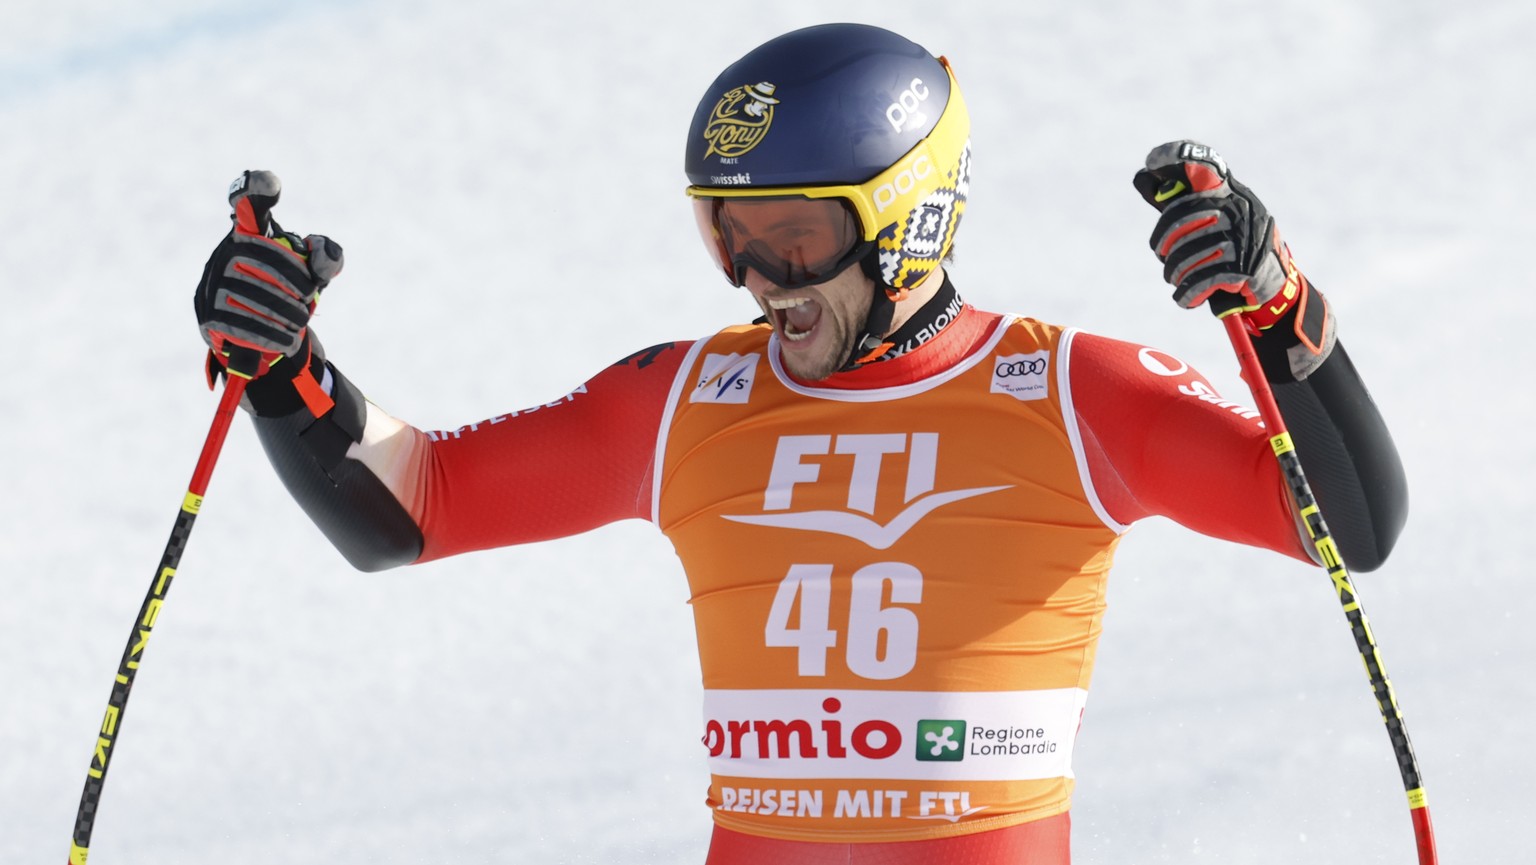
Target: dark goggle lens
793,242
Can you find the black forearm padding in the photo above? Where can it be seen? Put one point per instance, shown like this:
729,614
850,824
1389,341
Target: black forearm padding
328,438
350,505
1349,459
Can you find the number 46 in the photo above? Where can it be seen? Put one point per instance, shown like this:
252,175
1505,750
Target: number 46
867,619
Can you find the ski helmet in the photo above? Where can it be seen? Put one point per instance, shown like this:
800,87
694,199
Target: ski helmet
859,132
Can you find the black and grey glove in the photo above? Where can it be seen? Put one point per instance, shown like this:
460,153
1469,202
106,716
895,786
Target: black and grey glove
1219,246
260,285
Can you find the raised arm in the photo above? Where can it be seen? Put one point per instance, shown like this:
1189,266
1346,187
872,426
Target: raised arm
383,492
1161,441
1221,248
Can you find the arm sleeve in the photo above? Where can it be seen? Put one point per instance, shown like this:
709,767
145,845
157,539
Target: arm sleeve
387,494
1348,457
1160,441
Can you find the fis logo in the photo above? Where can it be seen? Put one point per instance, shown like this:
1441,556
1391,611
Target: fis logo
794,466
725,378
1022,376
942,740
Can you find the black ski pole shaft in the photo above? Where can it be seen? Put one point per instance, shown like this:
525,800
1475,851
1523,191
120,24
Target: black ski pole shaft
149,613
1328,551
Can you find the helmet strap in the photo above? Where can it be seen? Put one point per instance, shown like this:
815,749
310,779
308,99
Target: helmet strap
871,345
877,342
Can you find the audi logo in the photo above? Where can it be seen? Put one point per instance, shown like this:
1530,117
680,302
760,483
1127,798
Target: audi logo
1021,367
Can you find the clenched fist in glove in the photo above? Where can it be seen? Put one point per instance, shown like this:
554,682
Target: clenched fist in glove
259,286
1220,246
258,291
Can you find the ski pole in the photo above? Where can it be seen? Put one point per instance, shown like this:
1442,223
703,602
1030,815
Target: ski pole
117,704
1322,539
241,365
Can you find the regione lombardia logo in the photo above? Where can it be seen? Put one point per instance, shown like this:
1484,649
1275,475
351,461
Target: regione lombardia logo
940,740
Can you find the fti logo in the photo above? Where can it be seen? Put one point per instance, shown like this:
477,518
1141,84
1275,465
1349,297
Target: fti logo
941,740
795,464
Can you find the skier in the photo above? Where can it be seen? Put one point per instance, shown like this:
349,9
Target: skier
931,493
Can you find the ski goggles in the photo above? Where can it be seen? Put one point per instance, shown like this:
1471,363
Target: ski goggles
794,238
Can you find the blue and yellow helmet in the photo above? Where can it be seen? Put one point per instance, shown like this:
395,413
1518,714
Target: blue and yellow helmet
847,112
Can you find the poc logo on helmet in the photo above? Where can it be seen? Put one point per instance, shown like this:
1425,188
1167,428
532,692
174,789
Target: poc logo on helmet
904,182
903,113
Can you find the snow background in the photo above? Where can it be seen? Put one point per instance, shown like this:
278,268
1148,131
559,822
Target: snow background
506,180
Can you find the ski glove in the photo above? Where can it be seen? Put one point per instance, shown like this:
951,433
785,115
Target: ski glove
260,285
1219,246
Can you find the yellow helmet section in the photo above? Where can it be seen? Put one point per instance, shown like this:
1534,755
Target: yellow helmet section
915,206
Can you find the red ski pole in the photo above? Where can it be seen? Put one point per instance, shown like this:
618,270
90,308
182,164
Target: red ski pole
149,612
242,364
1322,539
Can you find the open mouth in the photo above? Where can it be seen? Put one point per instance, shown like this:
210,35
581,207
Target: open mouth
795,318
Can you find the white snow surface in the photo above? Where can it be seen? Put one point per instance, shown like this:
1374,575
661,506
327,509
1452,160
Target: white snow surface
506,179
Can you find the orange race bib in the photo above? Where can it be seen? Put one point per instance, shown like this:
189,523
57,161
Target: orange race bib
897,591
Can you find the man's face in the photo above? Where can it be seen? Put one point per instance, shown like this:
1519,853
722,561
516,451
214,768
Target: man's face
817,325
